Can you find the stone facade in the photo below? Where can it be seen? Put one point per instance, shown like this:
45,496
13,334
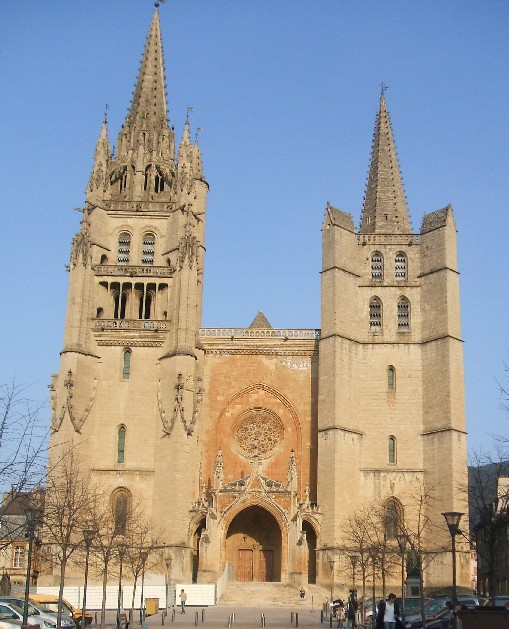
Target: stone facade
254,446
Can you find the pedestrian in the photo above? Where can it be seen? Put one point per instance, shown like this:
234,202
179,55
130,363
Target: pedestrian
352,607
388,615
302,592
183,599
340,615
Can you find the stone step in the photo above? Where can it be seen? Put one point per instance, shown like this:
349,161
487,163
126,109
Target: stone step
264,595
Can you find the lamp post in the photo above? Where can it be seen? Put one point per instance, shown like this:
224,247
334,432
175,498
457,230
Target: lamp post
121,547
167,562
402,543
31,513
143,557
88,536
453,524
373,553
353,561
331,566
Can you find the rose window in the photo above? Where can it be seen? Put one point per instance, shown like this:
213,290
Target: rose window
258,433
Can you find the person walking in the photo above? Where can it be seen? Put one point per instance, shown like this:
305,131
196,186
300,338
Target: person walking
183,599
388,615
302,592
352,607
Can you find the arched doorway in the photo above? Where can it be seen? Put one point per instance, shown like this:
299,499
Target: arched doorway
311,544
253,546
196,549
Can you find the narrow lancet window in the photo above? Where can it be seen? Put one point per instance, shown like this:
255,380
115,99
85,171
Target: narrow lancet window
375,315
126,368
392,449
377,266
121,444
403,315
391,378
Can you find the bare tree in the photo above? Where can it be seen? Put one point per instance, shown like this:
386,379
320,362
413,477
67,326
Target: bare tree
419,531
69,496
357,540
22,439
141,542
489,514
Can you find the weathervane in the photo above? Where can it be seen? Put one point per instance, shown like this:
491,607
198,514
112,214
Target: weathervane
384,87
158,2
189,111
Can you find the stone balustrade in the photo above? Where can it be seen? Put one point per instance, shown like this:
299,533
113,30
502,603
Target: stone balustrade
133,271
259,333
130,324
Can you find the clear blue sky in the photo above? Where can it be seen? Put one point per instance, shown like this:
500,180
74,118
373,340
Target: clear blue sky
286,92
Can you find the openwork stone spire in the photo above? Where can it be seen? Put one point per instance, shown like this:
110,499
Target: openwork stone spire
385,209
146,124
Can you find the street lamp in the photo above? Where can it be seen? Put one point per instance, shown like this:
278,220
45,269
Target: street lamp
121,548
331,566
353,561
88,536
373,553
402,543
167,563
143,556
32,514
453,523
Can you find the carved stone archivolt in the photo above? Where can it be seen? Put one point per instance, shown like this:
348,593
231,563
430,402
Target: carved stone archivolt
258,432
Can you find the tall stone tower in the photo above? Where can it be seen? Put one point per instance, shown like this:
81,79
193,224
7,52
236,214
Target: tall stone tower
391,410
131,366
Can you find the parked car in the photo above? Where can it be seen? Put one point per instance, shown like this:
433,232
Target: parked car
50,601
39,610
10,623
13,612
442,620
500,600
412,606
436,608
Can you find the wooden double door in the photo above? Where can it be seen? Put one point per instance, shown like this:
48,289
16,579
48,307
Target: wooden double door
255,565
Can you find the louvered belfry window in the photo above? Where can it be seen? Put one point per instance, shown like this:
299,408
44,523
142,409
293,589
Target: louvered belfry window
377,266
400,266
375,315
124,248
148,250
403,315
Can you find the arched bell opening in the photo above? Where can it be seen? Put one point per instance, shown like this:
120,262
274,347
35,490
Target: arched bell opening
253,545
311,551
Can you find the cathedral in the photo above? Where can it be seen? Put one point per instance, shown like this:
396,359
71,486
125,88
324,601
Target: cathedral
256,447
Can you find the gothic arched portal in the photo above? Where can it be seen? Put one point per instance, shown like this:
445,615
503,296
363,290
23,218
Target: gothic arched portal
196,549
311,551
253,546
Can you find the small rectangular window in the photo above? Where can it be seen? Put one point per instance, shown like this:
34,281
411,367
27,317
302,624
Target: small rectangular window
19,557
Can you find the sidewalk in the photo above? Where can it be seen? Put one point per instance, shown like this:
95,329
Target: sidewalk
217,617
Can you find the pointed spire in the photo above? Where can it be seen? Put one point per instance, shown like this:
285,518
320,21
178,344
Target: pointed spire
147,123
385,209
102,159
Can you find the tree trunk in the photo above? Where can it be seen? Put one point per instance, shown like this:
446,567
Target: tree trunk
61,589
105,583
